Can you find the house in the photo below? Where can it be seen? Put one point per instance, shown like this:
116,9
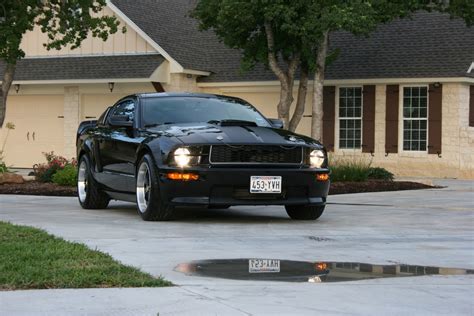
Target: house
402,98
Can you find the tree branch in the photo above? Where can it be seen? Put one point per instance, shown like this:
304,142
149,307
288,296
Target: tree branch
301,100
272,60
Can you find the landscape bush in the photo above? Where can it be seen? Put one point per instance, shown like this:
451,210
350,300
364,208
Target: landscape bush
66,176
356,169
44,172
378,173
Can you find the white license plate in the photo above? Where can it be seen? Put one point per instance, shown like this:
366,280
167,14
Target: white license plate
265,184
264,265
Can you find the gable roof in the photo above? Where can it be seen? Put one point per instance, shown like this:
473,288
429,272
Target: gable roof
427,45
93,67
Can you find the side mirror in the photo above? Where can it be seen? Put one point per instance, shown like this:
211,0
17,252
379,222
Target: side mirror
120,121
276,123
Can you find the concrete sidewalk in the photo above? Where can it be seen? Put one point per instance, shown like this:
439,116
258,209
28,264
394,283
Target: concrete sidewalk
427,227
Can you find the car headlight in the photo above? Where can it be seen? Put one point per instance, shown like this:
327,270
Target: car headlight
316,158
182,157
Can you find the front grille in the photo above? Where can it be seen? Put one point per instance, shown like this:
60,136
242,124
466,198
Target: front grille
248,154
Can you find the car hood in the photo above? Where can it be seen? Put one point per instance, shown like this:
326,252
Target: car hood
194,134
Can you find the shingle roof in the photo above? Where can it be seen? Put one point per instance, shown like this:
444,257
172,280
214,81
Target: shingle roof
427,45
96,67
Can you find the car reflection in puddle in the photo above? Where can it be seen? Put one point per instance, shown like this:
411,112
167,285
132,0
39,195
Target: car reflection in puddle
303,271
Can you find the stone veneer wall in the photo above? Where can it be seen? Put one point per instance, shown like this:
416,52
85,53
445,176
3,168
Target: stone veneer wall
71,120
181,83
457,159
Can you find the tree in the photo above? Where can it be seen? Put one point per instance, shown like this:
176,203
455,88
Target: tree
66,22
361,18
268,32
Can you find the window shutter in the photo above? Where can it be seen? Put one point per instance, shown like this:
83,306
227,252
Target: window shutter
329,113
434,119
368,120
471,107
391,118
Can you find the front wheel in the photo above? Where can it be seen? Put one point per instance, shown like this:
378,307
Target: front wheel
150,205
304,212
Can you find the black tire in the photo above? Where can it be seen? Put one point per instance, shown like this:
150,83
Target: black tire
304,212
155,209
94,197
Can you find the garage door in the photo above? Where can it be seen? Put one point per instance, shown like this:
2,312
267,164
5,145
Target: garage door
38,128
93,105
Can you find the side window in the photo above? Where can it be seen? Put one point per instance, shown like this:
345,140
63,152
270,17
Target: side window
350,117
126,107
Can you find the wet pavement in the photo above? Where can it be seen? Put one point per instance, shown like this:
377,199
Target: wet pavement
427,228
305,271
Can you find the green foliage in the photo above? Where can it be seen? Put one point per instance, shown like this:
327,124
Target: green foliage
3,166
66,176
357,169
44,172
299,25
32,259
64,22
349,169
378,173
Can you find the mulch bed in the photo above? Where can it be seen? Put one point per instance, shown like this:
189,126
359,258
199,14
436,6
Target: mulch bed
51,189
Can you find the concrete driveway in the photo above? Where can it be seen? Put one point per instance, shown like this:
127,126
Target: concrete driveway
428,227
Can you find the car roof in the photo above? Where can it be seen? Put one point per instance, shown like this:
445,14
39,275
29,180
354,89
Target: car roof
179,94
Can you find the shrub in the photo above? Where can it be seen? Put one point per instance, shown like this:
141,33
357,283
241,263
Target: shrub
356,169
349,169
378,173
3,166
44,172
66,176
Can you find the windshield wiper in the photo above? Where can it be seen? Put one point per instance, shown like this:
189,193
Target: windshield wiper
232,123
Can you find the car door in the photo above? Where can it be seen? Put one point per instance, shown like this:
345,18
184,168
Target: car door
118,149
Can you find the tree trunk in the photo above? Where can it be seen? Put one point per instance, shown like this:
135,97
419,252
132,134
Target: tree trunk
286,78
301,100
317,110
6,84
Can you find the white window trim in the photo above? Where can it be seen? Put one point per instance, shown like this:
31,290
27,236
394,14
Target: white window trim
337,122
401,120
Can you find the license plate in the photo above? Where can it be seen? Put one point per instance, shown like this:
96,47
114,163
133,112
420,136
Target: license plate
265,184
264,266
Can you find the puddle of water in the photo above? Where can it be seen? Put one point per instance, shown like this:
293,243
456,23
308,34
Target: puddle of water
304,271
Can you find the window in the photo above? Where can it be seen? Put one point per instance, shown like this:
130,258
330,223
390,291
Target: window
415,118
350,117
126,107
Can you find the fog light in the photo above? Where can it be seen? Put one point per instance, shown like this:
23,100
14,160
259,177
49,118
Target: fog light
322,176
321,266
183,176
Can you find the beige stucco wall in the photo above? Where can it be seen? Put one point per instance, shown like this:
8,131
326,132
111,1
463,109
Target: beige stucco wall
118,43
53,113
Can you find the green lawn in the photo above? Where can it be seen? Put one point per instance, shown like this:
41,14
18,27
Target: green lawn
32,259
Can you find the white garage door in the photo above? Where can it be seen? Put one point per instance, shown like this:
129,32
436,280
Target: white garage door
93,105
39,128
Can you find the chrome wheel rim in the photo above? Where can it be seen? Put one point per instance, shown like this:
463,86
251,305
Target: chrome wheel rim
82,181
143,187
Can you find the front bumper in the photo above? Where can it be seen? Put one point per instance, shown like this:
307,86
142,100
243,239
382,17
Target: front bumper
230,186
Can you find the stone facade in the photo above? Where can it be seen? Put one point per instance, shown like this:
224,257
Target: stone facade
457,158
180,82
72,108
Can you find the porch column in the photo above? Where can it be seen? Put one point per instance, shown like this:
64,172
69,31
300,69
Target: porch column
71,120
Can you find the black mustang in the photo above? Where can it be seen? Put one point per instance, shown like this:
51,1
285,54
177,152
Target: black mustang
163,150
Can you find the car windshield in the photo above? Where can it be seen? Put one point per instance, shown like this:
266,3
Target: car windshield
172,110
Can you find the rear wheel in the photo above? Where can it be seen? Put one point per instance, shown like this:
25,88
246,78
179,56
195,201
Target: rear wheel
88,191
304,212
150,205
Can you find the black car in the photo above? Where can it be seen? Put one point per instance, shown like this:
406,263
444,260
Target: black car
163,150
